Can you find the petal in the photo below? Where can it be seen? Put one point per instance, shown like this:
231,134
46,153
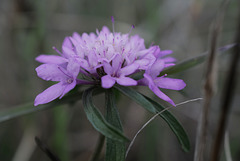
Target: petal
92,59
67,43
73,68
50,72
116,63
76,36
170,83
169,59
49,94
143,52
68,88
68,52
165,52
127,70
156,68
148,77
82,62
150,58
156,51
107,81
126,81
160,94
168,65
105,30
143,82
51,59
156,90
142,62
107,68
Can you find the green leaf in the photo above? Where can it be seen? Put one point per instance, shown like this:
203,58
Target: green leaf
115,150
137,97
97,120
28,108
186,64
173,123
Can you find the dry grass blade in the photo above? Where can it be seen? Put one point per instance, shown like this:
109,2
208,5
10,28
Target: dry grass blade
46,150
152,118
227,147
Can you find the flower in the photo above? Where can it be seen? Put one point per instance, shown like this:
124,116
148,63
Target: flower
104,58
154,82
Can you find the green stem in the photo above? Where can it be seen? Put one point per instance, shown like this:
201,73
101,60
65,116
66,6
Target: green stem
98,148
115,150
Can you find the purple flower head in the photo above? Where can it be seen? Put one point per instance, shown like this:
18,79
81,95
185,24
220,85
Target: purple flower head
104,58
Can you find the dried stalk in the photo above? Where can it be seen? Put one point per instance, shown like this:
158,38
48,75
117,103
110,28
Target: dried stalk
209,86
227,98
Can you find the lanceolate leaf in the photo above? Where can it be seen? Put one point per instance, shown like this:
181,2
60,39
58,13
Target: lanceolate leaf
154,107
186,64
173,123
137,97
98,121
115,150
28,108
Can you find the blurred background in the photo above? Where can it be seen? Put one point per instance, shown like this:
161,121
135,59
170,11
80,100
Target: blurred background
29,28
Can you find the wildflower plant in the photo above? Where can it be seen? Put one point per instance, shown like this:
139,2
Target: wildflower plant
110,60
115,63
111,63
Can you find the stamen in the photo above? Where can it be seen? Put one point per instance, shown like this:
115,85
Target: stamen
97,31
131,29
113,25
54,48
152,44
123,49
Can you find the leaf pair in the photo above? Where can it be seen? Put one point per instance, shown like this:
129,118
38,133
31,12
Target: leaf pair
110,127
97,119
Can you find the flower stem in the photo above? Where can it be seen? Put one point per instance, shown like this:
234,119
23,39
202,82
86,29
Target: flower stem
98,148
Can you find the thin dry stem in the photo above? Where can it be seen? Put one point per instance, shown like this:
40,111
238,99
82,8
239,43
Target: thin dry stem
152,118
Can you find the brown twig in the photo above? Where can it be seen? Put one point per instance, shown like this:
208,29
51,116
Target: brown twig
209,86
227,98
